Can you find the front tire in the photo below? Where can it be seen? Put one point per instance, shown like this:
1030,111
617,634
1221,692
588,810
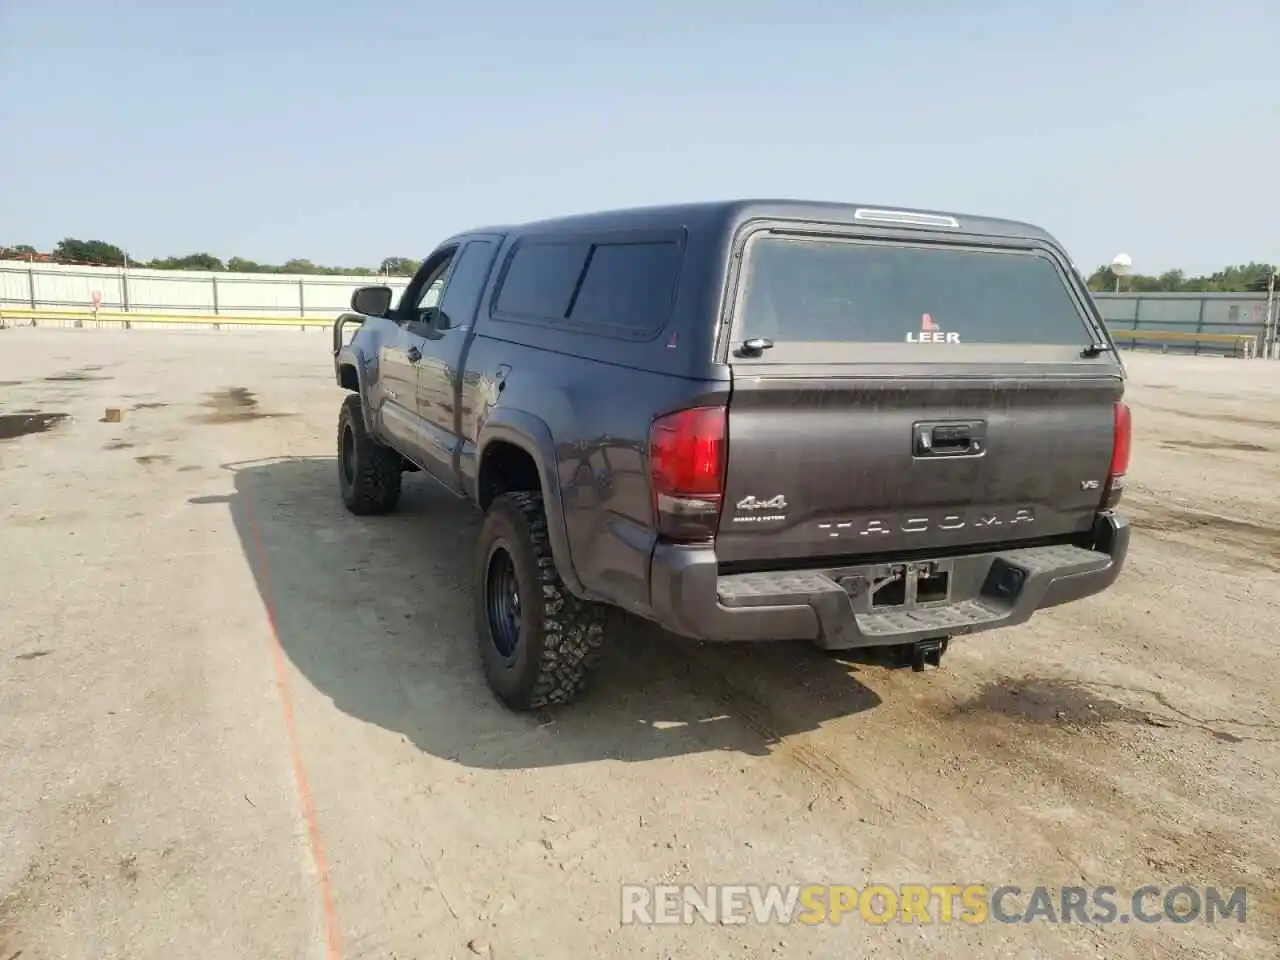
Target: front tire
539,644
368,472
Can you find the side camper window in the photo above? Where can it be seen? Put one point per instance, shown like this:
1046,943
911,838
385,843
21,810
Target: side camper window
628,285
541,279
613,286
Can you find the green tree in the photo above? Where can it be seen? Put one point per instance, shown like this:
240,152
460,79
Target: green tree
89,251
241,265
1265,281
1140,283
399,266
1102,280
17,250
192,261
1240,278
1245,276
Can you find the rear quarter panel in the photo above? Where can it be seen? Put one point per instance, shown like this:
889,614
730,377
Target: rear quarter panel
597,396
598,414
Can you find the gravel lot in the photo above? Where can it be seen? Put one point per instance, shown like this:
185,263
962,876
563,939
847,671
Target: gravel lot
237,722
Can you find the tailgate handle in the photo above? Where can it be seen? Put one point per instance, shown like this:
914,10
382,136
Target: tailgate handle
951,437
955,439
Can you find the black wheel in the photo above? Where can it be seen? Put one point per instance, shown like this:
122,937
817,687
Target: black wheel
539,644
368,473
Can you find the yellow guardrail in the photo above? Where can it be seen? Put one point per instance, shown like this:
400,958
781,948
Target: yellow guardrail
1181,335
123,319
1246,343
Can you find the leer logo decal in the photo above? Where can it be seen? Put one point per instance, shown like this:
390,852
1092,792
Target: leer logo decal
930,332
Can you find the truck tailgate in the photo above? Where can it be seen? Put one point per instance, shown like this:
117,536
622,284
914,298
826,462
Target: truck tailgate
895,396
826,467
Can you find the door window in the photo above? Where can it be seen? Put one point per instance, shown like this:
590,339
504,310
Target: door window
423,295
467,280
431,295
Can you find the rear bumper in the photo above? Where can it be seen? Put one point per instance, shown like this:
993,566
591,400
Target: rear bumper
833,608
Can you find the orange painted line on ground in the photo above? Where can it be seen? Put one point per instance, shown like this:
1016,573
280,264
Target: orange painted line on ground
332,931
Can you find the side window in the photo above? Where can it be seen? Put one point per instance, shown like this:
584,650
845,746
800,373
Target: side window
466,284
431,295
628,285
540,281
423,292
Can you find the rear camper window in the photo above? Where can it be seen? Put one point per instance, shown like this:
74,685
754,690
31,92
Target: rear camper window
831,291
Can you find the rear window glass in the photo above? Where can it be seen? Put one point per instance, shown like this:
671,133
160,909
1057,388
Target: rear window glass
628,285
812,291
541,279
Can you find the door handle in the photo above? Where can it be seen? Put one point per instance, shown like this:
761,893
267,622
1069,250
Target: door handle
500,376
949,439
414,354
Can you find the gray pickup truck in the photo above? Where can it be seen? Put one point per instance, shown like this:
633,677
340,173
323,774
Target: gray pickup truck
745,421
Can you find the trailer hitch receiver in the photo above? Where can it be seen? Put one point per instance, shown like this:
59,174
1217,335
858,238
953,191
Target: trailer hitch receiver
927,653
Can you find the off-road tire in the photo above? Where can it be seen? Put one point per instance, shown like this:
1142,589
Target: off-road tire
370,484
561,638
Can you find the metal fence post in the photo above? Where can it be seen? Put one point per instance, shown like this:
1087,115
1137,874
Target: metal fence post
31,283
1199,325
214,282
302,299
124,287
1274,314
1271,321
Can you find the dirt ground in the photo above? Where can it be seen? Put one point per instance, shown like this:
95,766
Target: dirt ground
236,721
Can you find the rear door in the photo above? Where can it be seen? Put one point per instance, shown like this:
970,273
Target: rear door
904,396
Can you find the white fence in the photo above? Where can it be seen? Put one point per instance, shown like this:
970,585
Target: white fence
1190,322
41,286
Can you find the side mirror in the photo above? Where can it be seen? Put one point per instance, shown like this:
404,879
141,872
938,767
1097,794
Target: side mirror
372,301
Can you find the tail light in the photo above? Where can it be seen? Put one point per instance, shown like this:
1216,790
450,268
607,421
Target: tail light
687,451
1122,442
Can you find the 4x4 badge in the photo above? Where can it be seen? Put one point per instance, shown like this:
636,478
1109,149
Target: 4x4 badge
774,503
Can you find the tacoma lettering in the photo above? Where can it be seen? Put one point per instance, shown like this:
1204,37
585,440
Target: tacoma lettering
883,527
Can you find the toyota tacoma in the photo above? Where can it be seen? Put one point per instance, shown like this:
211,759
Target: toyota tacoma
753,420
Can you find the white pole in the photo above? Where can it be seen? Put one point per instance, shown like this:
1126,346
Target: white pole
1269,331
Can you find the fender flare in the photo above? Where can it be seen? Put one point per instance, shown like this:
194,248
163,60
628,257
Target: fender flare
533,436
349,356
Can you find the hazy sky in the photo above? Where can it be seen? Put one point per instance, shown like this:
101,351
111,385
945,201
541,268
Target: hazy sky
346,132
